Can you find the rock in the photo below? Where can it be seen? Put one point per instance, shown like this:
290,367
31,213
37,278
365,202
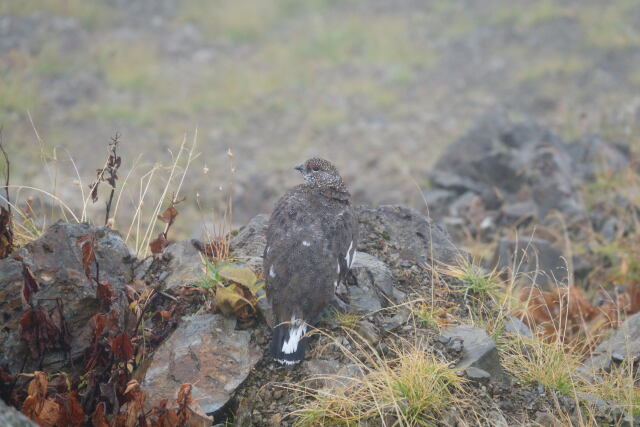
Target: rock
398,319
513,325
11,417
591,156
373,276
56,262
537,259
478,350
477,374
624,344
330,374
264,307
184,266
207,352
363,300
530,167
396,233
368,332
251,239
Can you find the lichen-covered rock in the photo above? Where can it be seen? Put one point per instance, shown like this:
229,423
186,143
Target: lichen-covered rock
56,262
248,245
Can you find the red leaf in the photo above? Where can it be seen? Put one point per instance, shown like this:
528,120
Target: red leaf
38,330
105,295
121,347
87,245
71,411
30,285
158,245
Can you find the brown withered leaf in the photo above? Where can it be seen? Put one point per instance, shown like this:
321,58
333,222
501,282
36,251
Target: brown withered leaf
36,406
158,244
235,300
71,411
6,233
121,347
98,417
163,315
161,416
169,215
87,245
135,403
184,400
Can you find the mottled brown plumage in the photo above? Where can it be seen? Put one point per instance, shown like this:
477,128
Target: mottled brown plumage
311,244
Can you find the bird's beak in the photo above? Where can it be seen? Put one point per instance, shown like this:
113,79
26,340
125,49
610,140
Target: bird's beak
299,168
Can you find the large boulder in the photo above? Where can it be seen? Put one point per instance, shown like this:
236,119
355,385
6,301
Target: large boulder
56,262
207,351
505,163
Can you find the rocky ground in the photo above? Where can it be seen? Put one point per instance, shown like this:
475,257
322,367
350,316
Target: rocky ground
428,331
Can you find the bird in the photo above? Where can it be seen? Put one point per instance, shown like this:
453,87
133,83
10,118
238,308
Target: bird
312,236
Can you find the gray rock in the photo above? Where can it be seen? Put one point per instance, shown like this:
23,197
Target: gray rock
368,332
396,234
363,300
537,259
478,350
477,374
184,266
372,274
330,373
624,343
514,325
251,239
264,307
398,319
11,417
523,161
56,262
207,352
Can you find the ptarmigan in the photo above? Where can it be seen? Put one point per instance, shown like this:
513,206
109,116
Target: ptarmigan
311,244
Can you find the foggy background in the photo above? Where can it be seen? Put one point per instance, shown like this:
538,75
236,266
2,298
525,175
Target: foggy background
378,87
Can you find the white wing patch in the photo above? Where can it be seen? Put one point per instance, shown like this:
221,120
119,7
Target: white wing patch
296,331
338,267
305,243
272,272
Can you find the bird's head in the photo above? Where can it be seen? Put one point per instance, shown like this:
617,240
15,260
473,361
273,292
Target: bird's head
320,173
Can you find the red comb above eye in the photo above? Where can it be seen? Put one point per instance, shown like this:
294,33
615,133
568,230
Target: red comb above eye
313,166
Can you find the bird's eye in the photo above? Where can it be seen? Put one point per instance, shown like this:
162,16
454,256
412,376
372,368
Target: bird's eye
314,167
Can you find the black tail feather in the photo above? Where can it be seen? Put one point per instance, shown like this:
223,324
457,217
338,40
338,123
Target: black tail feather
280,336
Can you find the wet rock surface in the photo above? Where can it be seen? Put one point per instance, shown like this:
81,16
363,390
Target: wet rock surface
56,262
